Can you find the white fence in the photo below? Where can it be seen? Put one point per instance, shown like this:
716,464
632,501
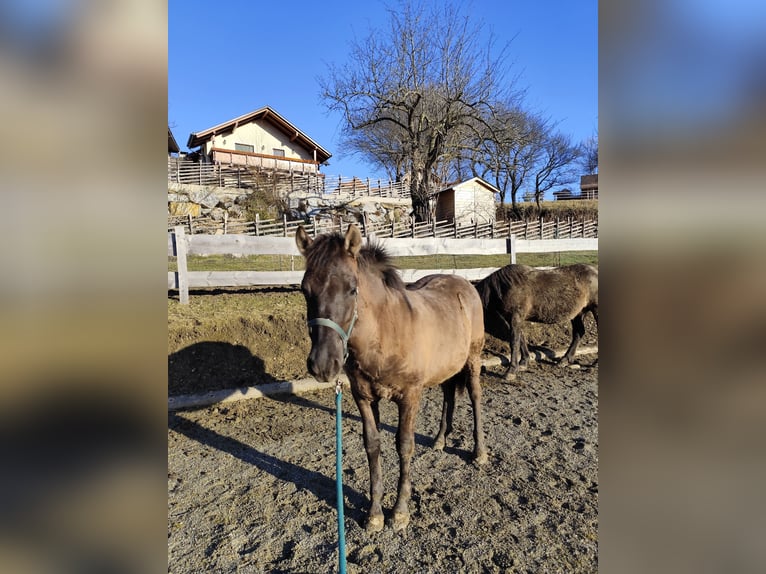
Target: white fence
181,245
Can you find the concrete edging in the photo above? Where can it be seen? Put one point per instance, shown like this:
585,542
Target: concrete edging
306,385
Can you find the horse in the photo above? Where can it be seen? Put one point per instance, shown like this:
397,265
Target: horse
517,293
392,340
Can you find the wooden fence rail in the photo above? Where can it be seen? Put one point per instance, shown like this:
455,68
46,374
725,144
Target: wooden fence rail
181,245
539,229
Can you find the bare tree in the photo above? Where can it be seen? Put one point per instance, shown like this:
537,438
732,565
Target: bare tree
556,165
507,151
428,82
590,154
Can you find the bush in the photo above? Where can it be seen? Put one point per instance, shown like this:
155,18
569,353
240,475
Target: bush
549,210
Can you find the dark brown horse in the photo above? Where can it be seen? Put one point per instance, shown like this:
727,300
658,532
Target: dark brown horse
393,340
517,293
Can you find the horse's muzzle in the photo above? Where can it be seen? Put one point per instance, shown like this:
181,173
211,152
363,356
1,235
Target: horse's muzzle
324,366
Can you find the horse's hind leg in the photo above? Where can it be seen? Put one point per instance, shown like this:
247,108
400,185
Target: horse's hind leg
448,409
524,353
578,330
473,382
517,339
405,446
371,435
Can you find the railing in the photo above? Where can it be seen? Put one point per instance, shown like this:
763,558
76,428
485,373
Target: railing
181,245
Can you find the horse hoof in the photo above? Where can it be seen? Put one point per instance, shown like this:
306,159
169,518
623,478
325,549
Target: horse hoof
400,521
481,458
574,366
439,444
374,523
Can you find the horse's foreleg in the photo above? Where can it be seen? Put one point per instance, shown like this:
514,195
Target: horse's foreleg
371,435
448,410
578,330
474,392
405,446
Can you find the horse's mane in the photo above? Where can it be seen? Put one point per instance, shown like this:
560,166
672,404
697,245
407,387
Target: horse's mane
497,283
372,258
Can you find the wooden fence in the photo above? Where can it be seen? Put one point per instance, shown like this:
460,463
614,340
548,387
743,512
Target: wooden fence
292,178
181,245
539,229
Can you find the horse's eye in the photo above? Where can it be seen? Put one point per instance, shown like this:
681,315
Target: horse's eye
352,291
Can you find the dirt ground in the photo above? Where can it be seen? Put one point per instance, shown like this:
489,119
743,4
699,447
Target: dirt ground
251,484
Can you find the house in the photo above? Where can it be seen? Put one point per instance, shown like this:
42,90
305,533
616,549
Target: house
173,148
466,203
563,194
589,186
262,139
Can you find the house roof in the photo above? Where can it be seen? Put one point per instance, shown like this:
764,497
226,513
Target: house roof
479,180
172,144
264,114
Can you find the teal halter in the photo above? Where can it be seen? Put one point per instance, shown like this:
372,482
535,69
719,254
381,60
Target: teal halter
344,335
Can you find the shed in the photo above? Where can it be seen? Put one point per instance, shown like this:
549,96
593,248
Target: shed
468,202
263,139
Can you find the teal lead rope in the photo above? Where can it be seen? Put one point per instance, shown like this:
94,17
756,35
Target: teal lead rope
339,479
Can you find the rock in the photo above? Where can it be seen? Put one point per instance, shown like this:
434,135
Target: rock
185,208
204,197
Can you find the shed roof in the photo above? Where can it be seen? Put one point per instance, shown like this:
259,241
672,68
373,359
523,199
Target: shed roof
479,180
268,114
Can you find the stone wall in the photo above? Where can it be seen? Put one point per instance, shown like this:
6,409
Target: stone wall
213,202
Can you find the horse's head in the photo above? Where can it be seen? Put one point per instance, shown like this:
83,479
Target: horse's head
330,288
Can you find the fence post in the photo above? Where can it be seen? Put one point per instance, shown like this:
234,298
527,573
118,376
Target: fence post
257,224
393,227
526,229
178,172
476,229
225,222
182,277
315,226
191,228
364,217
541,227
512,247
284,224
583,227
412,225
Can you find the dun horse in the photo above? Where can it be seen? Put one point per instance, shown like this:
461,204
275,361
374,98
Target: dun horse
517,293
393,340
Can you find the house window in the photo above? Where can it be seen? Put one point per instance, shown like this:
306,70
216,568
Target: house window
244,147
279,152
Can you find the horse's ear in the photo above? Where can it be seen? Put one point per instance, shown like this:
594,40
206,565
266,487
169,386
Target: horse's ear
353,240
302,240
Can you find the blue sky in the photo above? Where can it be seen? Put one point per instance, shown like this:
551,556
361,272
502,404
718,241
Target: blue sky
226,59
